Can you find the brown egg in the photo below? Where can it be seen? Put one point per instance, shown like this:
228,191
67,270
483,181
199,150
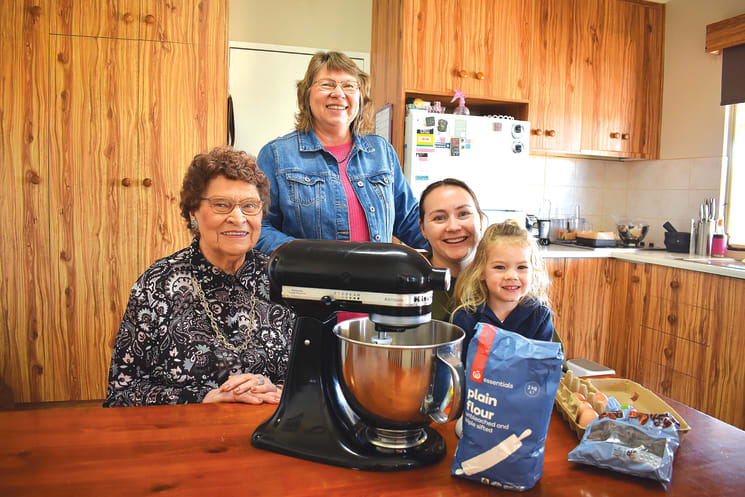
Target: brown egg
586,417
579,396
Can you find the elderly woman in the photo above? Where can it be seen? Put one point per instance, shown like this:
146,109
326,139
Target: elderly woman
329,178
452,222
199,325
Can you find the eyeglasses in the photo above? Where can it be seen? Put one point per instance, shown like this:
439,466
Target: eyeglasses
349,86
222,205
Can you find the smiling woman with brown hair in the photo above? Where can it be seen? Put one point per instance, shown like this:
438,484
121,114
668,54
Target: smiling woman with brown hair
199,325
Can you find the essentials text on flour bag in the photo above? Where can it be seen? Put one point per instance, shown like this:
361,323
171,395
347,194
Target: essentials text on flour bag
511,382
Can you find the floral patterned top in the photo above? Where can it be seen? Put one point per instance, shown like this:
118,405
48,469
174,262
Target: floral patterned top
166,351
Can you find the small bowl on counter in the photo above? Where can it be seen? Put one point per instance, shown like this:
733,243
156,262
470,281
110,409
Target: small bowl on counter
631,233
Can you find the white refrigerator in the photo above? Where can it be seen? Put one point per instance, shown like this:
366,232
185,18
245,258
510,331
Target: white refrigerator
489,154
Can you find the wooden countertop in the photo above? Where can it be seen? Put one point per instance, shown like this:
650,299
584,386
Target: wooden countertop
205,450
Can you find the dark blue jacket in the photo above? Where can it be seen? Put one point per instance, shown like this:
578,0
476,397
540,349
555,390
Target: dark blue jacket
530,319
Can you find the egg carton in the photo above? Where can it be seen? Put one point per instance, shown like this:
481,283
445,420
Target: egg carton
568,404
625,391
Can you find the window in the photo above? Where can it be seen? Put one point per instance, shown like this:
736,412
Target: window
735,214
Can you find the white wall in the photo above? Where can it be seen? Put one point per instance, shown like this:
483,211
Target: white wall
343,26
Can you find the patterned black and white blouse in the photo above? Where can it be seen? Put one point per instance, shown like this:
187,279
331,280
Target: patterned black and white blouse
166,351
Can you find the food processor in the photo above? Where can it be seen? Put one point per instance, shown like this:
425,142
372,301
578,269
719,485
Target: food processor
362,393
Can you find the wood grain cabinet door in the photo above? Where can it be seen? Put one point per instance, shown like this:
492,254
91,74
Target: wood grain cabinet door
496,48
112,19
622,77
24,207
556,83
93,160
555,269
432,50
181,115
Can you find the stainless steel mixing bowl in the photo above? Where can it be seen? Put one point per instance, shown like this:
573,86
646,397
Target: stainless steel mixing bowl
407,382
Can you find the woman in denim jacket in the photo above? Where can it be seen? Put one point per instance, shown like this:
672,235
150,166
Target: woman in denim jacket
330,179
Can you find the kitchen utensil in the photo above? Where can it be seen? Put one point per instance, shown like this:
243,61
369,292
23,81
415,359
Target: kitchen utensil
677,241
632,233
694,237
361,394
669,227
544,230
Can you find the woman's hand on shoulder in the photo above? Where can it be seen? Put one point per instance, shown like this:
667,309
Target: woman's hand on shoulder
245,388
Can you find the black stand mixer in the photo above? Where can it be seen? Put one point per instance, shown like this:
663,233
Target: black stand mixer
362,393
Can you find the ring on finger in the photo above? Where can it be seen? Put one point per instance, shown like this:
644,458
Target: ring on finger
259,380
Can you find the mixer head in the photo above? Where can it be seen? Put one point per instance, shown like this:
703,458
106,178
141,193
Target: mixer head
393,283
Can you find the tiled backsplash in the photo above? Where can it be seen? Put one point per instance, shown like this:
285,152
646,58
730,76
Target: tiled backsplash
651,192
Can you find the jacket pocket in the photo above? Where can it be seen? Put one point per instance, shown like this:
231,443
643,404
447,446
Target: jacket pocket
303,189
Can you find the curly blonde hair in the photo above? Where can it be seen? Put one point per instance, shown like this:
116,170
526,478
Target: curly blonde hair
364,123
471,290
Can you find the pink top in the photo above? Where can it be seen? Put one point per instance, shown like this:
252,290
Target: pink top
358,229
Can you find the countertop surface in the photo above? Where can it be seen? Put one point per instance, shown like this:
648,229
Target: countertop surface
205,450
723,266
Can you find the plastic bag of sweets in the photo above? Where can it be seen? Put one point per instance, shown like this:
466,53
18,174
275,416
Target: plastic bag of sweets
631,442
511,382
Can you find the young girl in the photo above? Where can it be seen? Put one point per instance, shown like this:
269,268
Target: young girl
506,285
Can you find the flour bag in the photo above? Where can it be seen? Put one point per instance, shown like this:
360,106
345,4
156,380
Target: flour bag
511,382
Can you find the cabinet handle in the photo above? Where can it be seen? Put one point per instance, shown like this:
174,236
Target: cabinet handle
674,285
463,73
558,273
668,353
35,178
625,136
126,182
480,76
128,17
147,182
35,11
550,132
149,19
615,135
635,279
666,384
672,318
537,131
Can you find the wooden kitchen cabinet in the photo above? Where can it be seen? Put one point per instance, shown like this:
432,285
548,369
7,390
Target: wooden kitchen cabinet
679,333
427,48
556,77
120,118
93,149
24,203
580,298
478,46
622,77
596,78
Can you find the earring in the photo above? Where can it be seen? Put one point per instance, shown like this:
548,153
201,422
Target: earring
194,224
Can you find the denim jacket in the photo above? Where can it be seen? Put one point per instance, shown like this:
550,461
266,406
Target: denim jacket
307,197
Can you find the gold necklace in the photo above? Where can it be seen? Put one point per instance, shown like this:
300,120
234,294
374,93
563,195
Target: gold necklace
220,336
